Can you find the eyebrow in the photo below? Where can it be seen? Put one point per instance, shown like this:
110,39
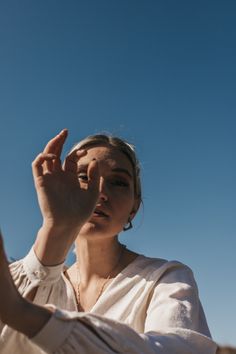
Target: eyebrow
117,169
122,170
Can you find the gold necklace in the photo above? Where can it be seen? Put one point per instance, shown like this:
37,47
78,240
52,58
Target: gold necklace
104,283
123,247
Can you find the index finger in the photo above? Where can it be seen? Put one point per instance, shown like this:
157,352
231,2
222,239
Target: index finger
55,145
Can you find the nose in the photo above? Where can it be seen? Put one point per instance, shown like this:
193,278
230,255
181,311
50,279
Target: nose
103,193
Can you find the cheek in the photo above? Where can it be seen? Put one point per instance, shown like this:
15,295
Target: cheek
123,204
123,196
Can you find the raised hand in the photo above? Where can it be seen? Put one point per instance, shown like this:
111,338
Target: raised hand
65,205
62,200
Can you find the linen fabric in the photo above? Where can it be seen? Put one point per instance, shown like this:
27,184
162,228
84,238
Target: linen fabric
151,306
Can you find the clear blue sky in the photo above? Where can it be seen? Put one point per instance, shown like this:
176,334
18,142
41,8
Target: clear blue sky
161,74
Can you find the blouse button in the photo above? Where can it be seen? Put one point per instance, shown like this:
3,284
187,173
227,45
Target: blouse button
40,274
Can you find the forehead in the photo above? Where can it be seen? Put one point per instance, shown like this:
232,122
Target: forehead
107,155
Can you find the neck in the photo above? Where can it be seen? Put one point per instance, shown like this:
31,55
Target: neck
98,258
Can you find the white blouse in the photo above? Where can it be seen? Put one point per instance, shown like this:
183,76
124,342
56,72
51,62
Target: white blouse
152,306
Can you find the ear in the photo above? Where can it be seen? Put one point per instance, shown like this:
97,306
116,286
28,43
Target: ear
135,208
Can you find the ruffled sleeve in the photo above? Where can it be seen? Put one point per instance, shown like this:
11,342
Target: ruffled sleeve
28,273
175,324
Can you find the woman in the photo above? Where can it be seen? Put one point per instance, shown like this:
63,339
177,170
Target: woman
111,300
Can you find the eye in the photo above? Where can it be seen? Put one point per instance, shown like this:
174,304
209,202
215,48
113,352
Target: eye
120,183
82,176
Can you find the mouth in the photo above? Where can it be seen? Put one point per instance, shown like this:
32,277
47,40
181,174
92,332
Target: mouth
99,213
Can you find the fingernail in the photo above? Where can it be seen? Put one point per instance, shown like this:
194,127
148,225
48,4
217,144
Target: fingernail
63,131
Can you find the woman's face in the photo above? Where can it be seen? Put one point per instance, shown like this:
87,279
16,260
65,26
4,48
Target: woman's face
116,202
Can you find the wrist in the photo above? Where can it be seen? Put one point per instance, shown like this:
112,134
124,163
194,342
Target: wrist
54,228
53,243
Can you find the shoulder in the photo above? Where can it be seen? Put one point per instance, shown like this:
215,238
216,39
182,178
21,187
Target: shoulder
159,268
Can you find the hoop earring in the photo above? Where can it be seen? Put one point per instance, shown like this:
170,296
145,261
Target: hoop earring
128,226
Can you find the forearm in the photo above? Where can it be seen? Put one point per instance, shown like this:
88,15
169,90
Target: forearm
28,318
53,244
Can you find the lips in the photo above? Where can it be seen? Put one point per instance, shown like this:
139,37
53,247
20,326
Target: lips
99,212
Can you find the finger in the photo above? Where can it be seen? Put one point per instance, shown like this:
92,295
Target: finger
48,166
94,176
57,165
71,161
37,164
55,146
63,135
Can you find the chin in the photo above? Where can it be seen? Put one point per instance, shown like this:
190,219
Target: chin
91,229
